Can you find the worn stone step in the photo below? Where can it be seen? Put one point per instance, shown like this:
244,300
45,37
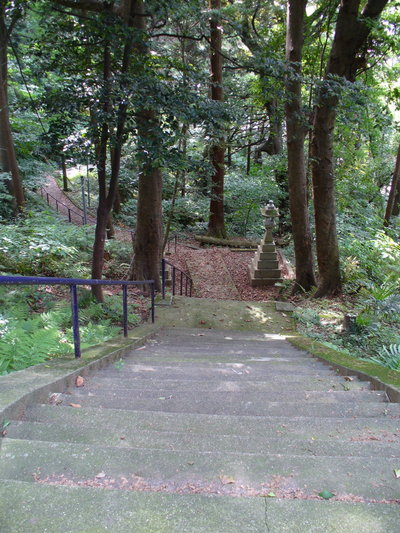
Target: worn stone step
301,383
63,509
130,437
254,404
196,372
363,477
227,396
384,429
165,355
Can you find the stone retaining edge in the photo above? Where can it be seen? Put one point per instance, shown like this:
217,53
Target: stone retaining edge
392,391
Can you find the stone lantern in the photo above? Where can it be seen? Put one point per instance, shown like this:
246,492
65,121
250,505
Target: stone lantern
264,267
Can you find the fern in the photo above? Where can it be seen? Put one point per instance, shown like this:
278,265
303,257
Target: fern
389,356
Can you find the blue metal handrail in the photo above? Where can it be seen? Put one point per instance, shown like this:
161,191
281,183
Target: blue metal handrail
183,276
72,283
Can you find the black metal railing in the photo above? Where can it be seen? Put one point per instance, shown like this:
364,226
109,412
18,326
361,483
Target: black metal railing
46,195
73,283
179,277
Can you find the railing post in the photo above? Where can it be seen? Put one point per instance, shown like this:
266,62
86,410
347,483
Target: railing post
69,215
152,302
75,320
57,206
163,278
181,284
125,308
47,198
173,280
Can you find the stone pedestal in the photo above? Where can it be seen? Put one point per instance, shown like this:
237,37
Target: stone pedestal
264,267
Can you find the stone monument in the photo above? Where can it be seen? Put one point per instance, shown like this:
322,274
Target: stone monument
264,268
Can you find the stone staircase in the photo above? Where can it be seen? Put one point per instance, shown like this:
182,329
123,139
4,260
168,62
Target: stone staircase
205,431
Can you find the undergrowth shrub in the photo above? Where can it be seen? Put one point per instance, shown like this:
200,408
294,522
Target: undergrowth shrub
35,325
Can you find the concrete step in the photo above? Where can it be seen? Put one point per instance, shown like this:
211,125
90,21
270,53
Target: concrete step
253,404
382,429
231,372
359,477
228,396
130,437
63,509
301,383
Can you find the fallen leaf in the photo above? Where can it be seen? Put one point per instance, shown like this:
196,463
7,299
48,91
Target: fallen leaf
100,475
348,378
326,495
227,480
202,322
397,473
271,495
79,382
76,405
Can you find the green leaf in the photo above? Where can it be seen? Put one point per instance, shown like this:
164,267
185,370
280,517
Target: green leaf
326,495
271,495
397,473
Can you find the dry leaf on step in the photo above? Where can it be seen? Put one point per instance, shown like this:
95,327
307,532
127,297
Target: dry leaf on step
227,480
76,405
79,382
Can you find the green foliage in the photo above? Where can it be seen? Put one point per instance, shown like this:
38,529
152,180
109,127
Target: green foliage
43,244
35,325
389,356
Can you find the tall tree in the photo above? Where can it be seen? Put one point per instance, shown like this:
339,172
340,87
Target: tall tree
9,15
216,223
296,127
347,56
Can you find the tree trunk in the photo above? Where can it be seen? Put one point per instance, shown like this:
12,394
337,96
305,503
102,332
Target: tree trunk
394,191
64,173
106,199
8,159
296,130
346,57
148,237
216,223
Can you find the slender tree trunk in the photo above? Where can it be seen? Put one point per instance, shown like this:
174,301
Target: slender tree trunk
8,159
106,199
216,223
296,130
346,56
394,191
102,211
64,173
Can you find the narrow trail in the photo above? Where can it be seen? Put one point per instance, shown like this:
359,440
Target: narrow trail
76,213
216,272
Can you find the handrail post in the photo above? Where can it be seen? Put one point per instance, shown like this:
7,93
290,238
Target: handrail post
152,302
69,214
125,308
181,284
75,320
173,280
163,278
